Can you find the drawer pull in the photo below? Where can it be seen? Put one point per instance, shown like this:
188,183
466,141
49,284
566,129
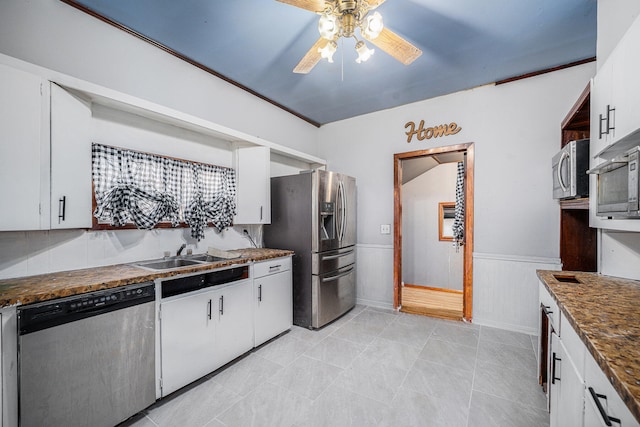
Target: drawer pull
605,417
275,267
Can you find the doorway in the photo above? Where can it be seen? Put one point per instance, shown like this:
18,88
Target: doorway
437,302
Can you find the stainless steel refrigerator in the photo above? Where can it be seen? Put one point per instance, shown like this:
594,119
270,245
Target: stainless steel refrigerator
314,214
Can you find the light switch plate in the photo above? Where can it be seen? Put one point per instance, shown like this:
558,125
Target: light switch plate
385,229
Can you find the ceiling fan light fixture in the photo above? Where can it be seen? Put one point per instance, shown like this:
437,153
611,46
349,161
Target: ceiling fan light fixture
364,52
328,26
372,25
328,50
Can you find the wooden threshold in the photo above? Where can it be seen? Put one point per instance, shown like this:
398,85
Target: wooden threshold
435,302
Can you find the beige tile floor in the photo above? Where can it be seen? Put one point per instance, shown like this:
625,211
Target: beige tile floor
369,368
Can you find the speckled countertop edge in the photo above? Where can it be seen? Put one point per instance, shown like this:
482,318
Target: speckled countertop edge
43,287
605,312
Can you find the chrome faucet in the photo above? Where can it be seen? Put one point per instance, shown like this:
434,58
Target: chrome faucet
184,245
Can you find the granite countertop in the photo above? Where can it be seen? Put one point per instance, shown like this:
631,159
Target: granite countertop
605,312
26,290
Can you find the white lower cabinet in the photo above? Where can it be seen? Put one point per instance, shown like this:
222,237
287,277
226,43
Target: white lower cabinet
580,393
187,339
234,322
273,299
202,330
567,387
603,404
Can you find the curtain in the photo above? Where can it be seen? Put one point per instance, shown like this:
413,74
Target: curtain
145,189
458,222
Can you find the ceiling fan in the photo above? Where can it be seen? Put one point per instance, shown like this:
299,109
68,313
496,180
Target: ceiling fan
340,18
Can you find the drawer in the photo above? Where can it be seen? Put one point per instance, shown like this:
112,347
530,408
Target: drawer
272,266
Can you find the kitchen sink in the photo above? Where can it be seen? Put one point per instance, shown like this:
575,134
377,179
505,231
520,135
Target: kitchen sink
208,258
167,264
566,278
180,261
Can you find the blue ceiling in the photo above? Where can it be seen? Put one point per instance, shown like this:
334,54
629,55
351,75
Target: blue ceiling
465,43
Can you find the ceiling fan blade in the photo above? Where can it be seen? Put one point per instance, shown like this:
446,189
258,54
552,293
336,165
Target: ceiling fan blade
396,46
311,58
374,3
312,5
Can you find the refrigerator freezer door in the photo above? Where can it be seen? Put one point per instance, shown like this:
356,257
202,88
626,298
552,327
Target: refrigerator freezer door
334,294
329,261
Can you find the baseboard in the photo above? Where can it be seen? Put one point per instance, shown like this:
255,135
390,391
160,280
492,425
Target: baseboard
505,326
374,304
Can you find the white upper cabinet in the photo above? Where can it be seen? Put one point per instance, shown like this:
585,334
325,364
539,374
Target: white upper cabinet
615,98
24,150
253,179
71,203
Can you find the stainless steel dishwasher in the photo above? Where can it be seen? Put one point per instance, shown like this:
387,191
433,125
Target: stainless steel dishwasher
89,359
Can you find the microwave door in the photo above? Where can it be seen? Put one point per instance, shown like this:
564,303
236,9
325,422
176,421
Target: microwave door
562,186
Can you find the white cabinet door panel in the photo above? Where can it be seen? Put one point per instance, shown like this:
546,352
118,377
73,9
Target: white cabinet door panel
70,160
24,150
234,316
253,166
273,296
187,339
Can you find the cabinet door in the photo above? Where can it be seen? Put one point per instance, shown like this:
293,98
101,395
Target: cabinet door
601,105
70,160
571,397
234,315
610,401
626,86
187,337
253,185
24,150
273,305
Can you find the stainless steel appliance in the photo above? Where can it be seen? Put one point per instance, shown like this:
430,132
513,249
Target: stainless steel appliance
618,190
569,167
87,360
314,214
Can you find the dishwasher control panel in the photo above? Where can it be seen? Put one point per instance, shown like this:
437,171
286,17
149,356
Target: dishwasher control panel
37,316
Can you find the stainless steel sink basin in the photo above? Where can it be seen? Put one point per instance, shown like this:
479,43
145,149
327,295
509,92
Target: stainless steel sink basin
208,258
167,264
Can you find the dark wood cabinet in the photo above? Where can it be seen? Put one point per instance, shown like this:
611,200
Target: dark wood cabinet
578,241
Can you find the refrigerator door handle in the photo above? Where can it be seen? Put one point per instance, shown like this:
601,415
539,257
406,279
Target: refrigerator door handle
337,276
340,255
343,209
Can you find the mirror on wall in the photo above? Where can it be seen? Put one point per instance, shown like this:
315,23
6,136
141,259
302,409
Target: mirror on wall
446,216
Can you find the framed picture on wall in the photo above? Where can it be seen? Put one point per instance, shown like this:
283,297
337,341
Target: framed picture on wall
446,216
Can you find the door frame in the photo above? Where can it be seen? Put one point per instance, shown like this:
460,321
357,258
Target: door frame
467,278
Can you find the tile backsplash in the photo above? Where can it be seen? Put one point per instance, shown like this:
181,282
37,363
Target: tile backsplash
26,253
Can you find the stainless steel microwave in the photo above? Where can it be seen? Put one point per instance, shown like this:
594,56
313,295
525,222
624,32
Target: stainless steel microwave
618,186
569,168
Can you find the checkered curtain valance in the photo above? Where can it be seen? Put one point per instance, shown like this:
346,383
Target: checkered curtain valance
145,189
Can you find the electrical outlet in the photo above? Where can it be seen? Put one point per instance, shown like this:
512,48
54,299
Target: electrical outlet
385,229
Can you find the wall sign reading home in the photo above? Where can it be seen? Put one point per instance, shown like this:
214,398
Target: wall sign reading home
430,132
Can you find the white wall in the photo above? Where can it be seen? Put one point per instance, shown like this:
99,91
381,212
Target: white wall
427,261
516,131
54,35
614,19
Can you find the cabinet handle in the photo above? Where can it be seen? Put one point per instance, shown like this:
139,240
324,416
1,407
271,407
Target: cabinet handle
260,293
221,310
274,267
546,310
609,127
209,310
260,213
605,417
62,208
553,368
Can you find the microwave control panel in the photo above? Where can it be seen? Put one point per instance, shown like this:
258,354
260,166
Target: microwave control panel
633,181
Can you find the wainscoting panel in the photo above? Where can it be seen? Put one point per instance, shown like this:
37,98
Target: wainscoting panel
505,290
375,275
